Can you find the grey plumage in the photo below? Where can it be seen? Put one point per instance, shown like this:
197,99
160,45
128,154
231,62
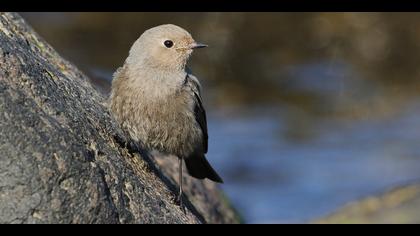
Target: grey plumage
159,103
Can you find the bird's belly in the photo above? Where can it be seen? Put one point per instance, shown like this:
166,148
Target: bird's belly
171,129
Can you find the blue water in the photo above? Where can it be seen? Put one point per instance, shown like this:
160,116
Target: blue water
273,179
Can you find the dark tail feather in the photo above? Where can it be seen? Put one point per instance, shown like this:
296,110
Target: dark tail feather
200,168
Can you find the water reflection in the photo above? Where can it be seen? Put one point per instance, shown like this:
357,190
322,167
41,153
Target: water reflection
307,110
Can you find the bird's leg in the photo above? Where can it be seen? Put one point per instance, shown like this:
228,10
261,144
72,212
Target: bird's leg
180,186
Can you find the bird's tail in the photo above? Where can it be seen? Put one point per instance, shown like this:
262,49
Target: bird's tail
200,168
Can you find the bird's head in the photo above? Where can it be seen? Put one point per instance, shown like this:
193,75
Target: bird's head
165,47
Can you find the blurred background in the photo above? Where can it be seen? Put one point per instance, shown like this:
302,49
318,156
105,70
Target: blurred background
306,111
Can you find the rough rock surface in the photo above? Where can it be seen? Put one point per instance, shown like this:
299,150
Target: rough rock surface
63,159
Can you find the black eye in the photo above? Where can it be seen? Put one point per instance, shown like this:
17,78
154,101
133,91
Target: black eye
168,43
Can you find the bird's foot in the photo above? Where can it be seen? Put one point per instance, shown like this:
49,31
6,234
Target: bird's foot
180,203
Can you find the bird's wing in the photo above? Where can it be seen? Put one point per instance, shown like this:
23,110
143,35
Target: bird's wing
199,112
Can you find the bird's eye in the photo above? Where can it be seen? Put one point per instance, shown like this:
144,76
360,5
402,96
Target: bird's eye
168,43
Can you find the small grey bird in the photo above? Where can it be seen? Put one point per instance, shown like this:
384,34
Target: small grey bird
159,103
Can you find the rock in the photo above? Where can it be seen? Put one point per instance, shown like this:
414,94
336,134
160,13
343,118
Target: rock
398,206
63,159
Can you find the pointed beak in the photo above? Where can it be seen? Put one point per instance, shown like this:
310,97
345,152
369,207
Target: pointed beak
198,45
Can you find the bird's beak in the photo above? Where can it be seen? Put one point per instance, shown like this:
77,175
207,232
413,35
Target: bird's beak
198,45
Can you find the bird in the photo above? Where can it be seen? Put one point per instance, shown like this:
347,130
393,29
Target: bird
157,100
